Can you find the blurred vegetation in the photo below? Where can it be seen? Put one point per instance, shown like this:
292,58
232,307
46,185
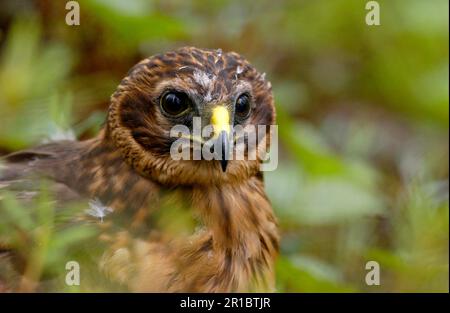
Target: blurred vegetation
363,114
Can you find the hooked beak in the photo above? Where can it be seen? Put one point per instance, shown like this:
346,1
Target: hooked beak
225,145
220,121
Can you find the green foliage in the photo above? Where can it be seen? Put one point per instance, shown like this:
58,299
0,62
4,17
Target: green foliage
29,79
43,237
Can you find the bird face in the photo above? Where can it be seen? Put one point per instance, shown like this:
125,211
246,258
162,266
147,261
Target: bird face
219,91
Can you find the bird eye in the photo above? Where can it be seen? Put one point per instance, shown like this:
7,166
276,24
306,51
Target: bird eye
175,103
242,108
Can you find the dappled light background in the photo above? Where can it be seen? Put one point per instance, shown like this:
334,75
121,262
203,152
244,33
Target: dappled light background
362,113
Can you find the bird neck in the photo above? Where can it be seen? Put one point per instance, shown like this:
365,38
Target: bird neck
234,211
243,228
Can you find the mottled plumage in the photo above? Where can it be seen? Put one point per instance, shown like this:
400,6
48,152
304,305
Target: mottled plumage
127,168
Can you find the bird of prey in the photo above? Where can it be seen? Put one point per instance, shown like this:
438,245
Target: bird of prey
127,175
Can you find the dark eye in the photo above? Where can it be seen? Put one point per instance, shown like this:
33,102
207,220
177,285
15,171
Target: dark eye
175,103
242,109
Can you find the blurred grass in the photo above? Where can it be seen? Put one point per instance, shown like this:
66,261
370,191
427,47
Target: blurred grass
44,239
362,112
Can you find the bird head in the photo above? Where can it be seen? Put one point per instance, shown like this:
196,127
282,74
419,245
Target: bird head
191,88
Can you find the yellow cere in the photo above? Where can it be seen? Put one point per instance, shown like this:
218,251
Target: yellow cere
220,120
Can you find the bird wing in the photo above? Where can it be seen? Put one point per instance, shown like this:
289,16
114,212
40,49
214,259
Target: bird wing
22,172
23,177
